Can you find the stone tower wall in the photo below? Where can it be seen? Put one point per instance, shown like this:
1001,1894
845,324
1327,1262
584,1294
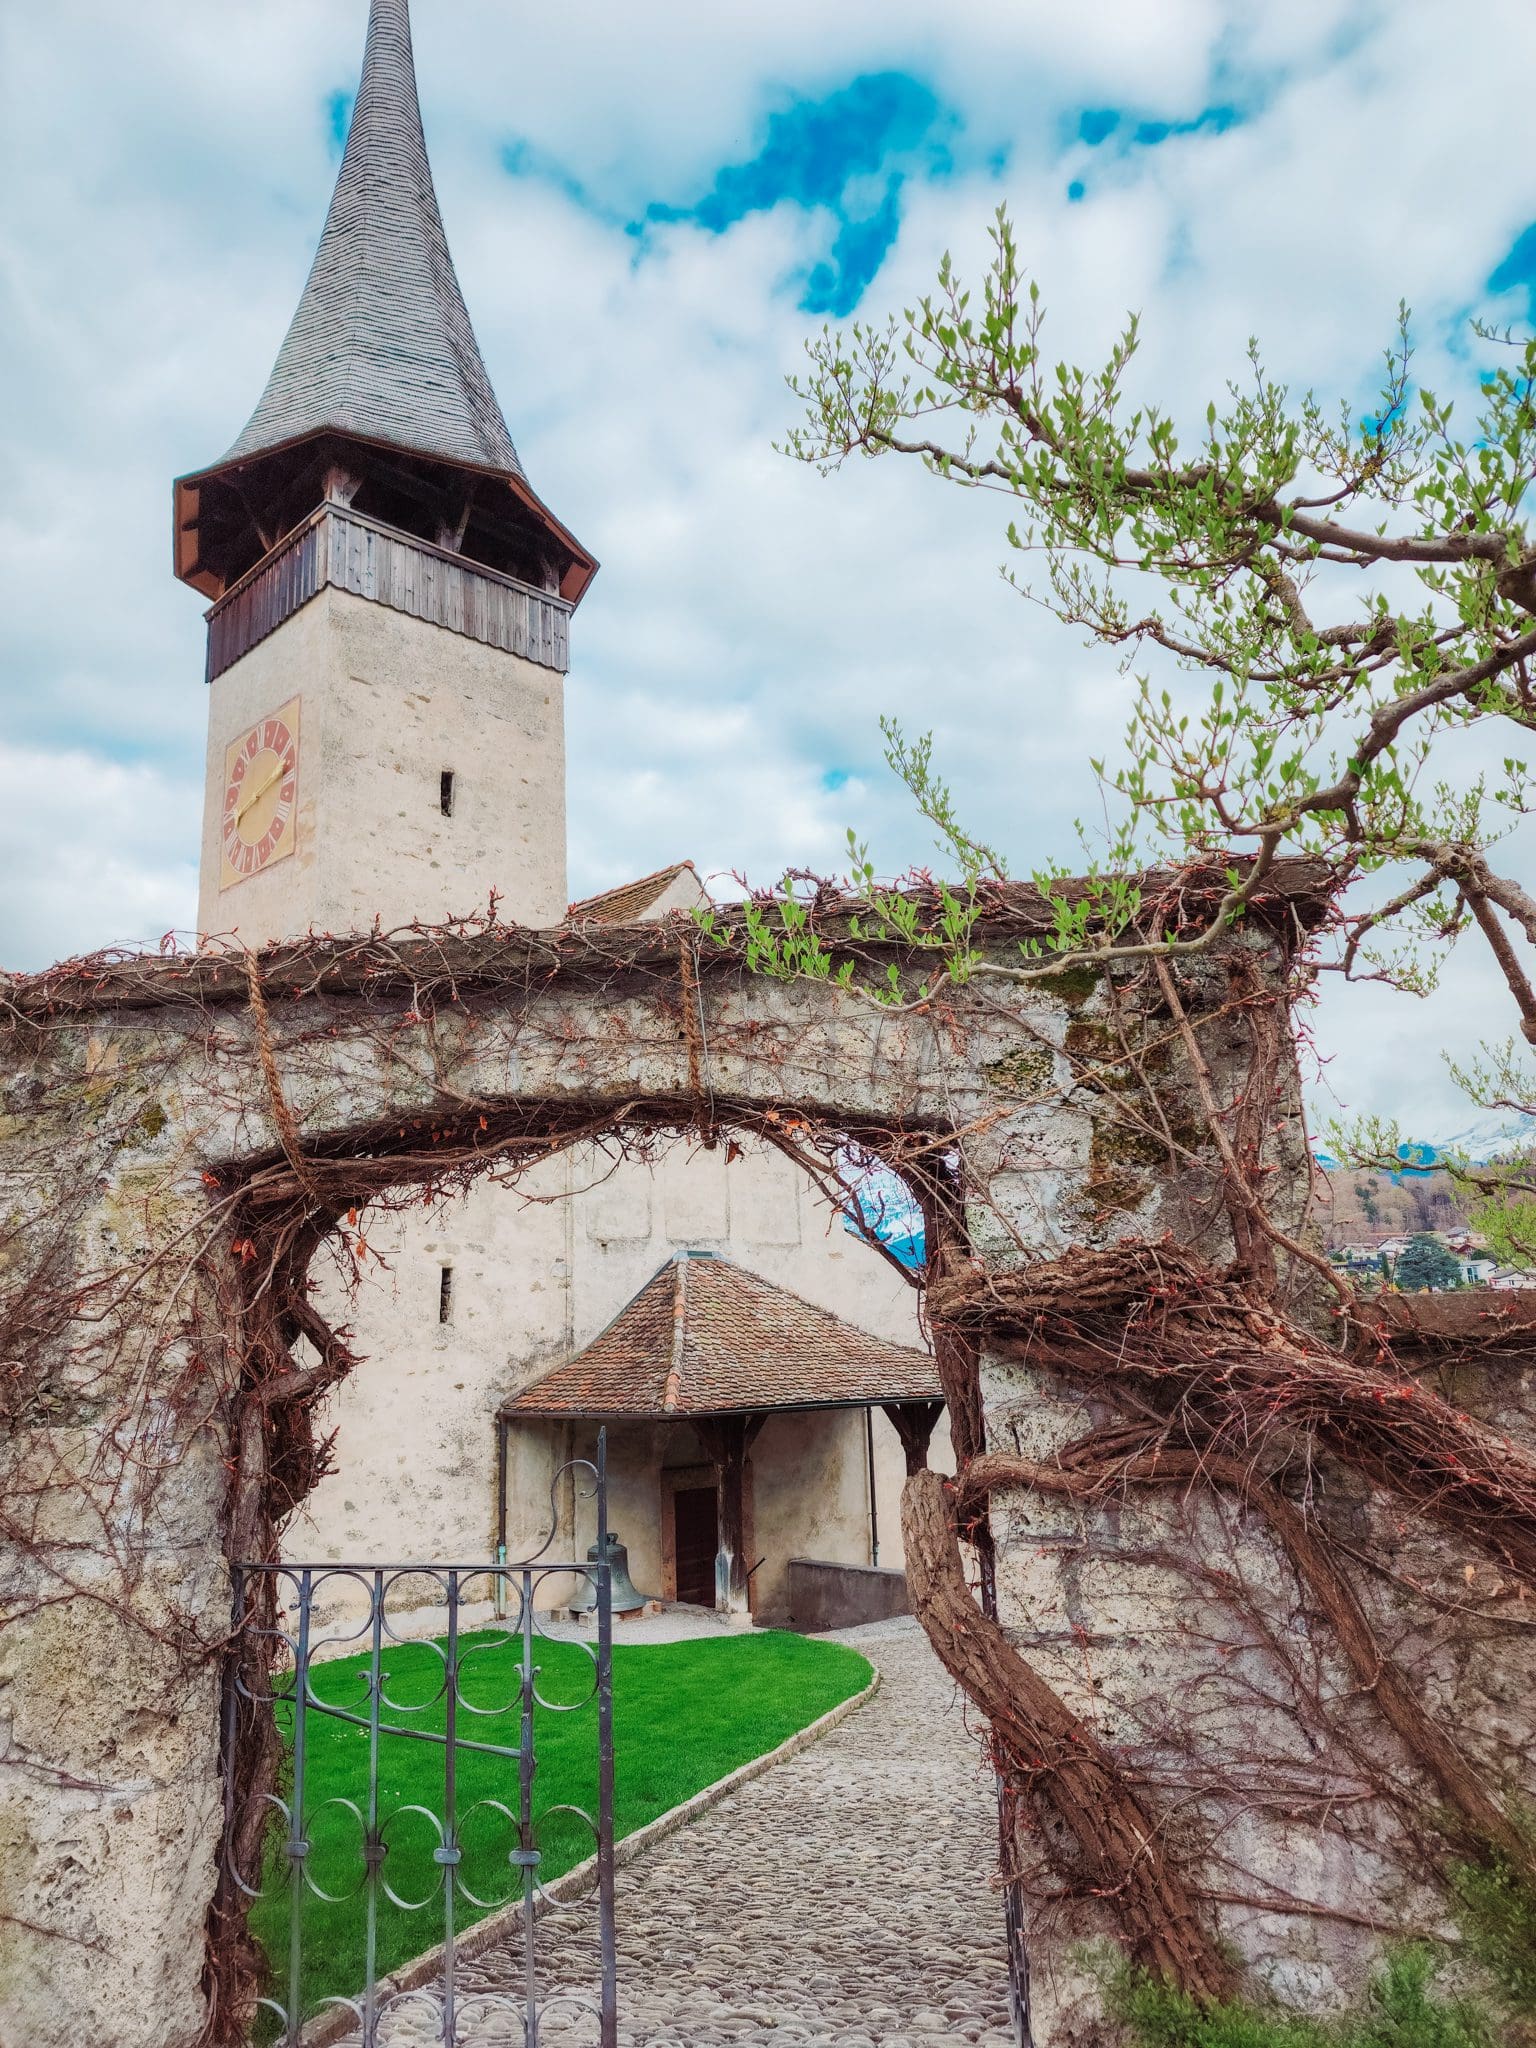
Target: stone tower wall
388,703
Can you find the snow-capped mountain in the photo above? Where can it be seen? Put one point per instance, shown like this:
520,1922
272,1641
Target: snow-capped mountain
893,1215
1492,1136
1500,1134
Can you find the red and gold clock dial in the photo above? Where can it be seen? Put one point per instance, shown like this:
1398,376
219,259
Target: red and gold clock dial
261,794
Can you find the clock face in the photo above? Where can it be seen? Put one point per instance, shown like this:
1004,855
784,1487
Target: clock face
261,789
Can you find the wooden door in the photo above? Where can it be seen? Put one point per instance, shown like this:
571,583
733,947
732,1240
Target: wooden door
697,1542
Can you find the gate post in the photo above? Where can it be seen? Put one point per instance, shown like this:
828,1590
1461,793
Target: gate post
605,1886
113,1589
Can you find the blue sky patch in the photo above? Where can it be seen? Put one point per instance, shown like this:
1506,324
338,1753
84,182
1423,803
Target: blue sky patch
836,778
835,286
522,159
1211,121
813,150
1096,126
849,152
1517,271
338,118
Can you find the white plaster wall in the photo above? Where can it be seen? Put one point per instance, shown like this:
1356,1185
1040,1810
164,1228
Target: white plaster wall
539,1271
636,1452
810,1494
388,703
684,892
758,1209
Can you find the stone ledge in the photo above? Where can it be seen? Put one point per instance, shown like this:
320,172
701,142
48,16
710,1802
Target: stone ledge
824,1595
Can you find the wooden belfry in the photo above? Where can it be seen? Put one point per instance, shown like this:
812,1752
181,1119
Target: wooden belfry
379,400
392,600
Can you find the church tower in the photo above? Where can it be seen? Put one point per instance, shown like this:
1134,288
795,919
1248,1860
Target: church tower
389,634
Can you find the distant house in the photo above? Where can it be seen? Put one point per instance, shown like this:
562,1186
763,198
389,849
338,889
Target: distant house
1466,1242
1357,1254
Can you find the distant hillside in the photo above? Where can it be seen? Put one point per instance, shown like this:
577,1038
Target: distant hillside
889,1211
1357,1204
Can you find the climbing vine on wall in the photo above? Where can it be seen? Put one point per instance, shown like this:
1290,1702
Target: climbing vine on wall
1220,1377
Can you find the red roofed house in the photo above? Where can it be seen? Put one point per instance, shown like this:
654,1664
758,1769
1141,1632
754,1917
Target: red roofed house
706,1364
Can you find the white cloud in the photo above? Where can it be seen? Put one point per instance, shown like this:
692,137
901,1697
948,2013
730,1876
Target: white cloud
169,168
93,852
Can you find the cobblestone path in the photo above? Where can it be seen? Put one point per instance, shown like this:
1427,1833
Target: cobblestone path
840,1900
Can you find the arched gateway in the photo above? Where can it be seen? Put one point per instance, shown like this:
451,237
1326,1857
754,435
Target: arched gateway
182,1134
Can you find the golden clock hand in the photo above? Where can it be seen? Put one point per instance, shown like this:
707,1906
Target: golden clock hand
260,791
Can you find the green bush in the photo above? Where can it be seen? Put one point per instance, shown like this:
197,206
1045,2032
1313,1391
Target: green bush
1497,1911
1402,2011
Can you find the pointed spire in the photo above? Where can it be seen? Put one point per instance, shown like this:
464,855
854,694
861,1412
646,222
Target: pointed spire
379,388
381,346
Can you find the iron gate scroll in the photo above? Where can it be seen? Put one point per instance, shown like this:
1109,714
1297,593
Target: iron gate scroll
348,1861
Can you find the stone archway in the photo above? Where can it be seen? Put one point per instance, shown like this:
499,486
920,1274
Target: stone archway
177,1133
181,1135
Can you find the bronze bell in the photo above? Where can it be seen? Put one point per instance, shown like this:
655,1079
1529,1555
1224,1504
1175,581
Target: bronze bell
627,1598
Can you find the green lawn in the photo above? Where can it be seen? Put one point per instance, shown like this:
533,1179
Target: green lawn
684,1714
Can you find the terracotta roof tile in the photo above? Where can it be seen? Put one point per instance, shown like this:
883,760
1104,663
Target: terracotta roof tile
630,903
705,1337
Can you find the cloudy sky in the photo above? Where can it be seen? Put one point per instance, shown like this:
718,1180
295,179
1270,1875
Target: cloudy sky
651,206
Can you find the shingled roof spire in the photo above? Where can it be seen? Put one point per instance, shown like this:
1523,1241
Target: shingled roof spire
382,343
379,374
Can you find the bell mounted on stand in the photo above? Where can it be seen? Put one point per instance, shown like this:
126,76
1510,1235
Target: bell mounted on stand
628,1600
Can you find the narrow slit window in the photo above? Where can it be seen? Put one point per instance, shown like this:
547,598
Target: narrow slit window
445,792
445,1296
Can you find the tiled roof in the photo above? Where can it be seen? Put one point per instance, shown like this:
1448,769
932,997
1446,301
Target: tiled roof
705,1337
382,345
630,903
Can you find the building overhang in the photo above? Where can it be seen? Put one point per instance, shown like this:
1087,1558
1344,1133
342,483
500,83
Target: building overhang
250,505
515,1410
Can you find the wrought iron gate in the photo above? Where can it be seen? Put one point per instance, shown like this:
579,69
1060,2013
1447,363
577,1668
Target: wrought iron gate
352,1871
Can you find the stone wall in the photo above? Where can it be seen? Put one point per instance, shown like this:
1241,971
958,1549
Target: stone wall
825,1596
134,1121
1175,1625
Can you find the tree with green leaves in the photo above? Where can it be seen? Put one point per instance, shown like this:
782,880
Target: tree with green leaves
1426,1263
1352,606
1328,615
